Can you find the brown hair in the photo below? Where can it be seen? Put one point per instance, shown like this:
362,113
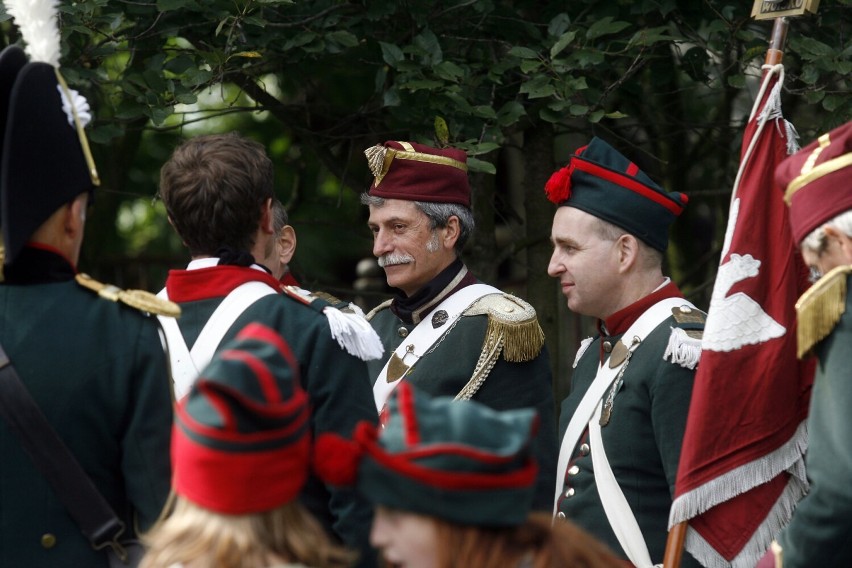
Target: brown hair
538,543
194,536
214,188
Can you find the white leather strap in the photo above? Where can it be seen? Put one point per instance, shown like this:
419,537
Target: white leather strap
424,335
644,325
187,364
617,509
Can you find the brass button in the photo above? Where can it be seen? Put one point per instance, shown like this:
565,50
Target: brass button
48,540
560,515
569,493
403,332
573,470
585,449
607,346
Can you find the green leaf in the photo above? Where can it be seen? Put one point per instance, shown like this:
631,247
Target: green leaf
484,111
195,77
737,81
538,88
482,148
814,97
578,110
343,37
510,112
523,52
616,115
391,98
550,115
300,40
418,84
442,132
427,43
810,75
563,42
833,102
650,36
596,116
391,53
811,49
460,102
605,26
170,5
476,165
530,65
558,24
179,64
159,115
104,134
449,71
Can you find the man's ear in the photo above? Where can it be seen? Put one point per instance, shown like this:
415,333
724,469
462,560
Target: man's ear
451,232
627,249
844,241
74,216
286,244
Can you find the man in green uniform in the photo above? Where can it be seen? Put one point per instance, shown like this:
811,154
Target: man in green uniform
622,425
818,188
218,193
444,331
89,355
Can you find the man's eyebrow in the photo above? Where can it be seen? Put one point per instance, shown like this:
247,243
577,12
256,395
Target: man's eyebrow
563,241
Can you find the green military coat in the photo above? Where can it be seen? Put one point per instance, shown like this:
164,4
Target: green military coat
96,369
642,440
820,530
448,367
336,382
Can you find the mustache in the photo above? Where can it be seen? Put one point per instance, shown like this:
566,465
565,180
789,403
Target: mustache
393,258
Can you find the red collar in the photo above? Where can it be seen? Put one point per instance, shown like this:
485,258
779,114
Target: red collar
620,321
213,282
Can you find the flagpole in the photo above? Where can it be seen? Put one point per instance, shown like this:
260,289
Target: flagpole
774,56
775,53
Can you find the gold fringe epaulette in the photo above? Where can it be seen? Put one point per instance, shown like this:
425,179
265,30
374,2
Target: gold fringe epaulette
820,308
139,299
513,320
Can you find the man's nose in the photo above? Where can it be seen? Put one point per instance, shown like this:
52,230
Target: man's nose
382,244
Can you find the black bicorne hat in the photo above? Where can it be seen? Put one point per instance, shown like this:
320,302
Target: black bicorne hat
46,161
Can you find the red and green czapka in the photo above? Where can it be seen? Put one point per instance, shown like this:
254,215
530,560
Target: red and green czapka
601,182
455,460
241,442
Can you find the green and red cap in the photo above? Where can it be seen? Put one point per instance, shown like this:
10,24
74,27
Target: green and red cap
459,461
602,182
241,441
816,181
416,172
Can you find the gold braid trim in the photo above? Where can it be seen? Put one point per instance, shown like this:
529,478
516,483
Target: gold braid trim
139,299
820,308
514,322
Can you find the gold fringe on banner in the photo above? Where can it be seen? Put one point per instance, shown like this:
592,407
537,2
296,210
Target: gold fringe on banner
820,308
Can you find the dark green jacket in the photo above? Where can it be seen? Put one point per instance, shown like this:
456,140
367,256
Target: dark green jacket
642,441
336,382
96,369
447,369
820,532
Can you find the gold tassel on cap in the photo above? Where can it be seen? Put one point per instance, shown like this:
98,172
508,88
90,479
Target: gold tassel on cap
820,308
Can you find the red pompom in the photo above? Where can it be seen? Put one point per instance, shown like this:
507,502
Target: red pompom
558,187
336,459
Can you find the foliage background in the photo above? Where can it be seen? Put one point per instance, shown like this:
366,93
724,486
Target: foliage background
518,84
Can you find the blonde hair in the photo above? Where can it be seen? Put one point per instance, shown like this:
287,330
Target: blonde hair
194,536
538,543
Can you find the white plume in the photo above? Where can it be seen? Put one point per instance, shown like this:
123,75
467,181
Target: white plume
39,25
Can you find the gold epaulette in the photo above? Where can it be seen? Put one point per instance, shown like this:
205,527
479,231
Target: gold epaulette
691,320
139,299
820,307
513,320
